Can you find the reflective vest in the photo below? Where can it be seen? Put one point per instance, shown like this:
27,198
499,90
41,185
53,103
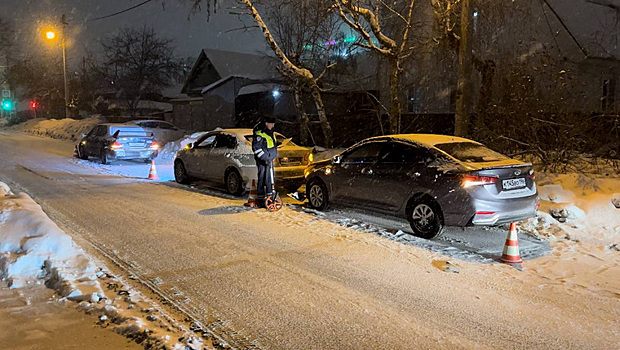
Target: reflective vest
270,141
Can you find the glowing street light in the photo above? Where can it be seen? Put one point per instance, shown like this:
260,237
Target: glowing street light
51,35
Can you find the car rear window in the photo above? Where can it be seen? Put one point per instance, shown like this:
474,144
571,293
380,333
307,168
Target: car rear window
127,130
470,152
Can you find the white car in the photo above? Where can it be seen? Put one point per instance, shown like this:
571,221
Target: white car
163,132
225,156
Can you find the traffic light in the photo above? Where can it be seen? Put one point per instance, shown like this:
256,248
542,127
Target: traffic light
7,105
34,104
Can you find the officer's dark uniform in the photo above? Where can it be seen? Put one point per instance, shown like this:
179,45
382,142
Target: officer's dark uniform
265,151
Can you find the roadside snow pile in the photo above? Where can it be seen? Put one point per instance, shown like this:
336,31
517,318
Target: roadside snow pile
579,207
33,248
169,151
66,129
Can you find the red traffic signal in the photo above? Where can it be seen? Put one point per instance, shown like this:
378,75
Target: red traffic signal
34,104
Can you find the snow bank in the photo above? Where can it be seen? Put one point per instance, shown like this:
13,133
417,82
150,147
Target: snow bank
580,207
66,129
33,248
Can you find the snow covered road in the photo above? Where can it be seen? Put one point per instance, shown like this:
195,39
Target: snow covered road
296,280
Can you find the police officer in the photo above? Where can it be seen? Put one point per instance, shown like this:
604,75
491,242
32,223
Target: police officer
265,151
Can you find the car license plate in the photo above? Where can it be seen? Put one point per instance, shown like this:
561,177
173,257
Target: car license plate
513,183
136,144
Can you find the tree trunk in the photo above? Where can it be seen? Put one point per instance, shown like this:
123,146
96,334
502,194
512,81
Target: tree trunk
301,115
304,74
464,87
395,110
320,109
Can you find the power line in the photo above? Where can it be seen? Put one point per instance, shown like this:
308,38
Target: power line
566,28
123,11
542,6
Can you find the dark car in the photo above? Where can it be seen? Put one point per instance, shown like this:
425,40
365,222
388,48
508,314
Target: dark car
117,141
432,180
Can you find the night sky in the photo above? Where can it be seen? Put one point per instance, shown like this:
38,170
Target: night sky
170,19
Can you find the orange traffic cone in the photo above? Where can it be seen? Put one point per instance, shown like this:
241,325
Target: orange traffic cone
153,172
511,248
252,197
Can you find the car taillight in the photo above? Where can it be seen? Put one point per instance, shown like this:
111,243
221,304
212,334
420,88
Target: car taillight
154,145
116,145
476,180
531,174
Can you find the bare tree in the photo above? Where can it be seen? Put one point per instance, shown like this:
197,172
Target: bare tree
308,35
290,67
369,18
138,63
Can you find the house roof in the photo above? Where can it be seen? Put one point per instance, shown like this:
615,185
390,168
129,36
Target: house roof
254,66
229,64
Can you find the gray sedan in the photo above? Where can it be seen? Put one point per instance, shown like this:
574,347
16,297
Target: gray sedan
432,180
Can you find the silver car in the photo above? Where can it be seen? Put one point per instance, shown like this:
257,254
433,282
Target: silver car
225,156
116,141
432,180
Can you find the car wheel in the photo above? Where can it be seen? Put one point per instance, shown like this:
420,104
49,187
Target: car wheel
234,183
81,153
317,195
180,174
425,218
103,157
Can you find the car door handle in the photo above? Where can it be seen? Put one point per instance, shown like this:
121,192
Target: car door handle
367,171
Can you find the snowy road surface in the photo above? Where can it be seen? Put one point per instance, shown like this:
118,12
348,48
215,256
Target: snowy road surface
299,280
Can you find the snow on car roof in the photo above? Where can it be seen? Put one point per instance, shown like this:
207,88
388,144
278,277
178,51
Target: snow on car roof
427,139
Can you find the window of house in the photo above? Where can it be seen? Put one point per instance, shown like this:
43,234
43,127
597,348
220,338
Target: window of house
414,96
609,94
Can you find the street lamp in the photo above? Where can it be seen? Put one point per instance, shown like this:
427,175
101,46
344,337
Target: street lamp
51,35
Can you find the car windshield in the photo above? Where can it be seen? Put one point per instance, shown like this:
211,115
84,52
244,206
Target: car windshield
470,152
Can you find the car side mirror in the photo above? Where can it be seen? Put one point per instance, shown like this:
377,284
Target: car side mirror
337,159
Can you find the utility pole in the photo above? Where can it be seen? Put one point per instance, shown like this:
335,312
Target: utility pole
464,85
64,23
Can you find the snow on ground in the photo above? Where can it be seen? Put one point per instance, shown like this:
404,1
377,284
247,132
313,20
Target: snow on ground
65,129
34,250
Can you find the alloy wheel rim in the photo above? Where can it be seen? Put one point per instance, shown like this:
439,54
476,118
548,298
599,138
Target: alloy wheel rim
423,216
178,171
233,182
316,196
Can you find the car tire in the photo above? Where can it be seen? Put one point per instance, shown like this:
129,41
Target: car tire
316,192
103,157
234,182
180,174
81,154
425,217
